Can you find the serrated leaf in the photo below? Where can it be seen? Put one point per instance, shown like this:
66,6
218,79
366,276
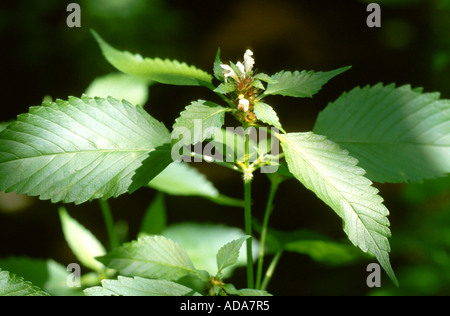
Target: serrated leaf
203,241
398,134
225,88
78,150
199,121
154,257
121,87
82,242
12,285
163,71
327,170
265,113
228,255
265,78
48,275
231,290
137,286
302,84
218,70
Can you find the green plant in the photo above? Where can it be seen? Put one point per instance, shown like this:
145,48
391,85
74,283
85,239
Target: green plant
98,148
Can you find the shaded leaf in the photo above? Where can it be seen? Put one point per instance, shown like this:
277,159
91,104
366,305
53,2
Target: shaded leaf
398,134
121,87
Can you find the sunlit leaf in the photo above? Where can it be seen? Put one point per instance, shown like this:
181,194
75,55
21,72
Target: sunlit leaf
163,71
327,170
80,150
137,286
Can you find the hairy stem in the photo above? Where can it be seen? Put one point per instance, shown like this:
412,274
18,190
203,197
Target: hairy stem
109,222
273,189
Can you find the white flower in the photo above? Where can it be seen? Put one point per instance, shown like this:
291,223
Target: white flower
241,68
248,60
244,68
243,105
228,72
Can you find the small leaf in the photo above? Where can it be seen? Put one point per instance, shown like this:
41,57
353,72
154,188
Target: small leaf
300,84
225,88
137,286
121,87
155,218
265,113
203,241
154,257
218,70
327,170
398,134
81,241
231,290
228,255
198,122
12,285
156,69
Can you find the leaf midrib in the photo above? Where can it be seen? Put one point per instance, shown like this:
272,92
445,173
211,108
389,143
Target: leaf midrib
102,151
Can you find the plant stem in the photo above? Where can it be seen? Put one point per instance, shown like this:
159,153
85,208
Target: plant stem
274,184
271,269
248,212
109,222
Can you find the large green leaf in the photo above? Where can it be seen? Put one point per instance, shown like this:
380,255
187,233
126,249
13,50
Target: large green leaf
398,134
137,286
327,170
120,86
82,242
300,84
154,257
199,121
12,285
163,71
80,149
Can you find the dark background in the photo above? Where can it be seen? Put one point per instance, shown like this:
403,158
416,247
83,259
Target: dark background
41,56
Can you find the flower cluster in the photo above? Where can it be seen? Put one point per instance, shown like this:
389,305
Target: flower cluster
242,87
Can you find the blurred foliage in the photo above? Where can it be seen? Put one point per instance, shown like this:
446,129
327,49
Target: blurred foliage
422,243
